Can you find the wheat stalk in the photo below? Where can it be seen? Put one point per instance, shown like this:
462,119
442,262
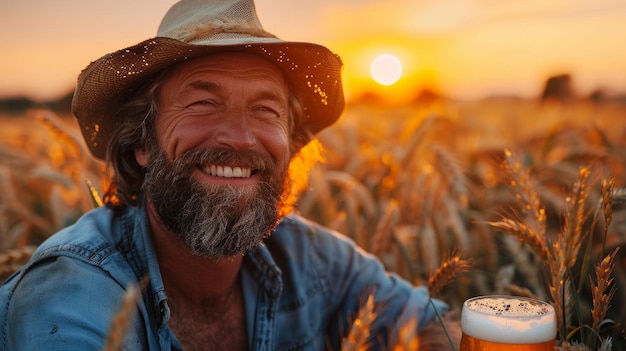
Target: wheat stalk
13,259
573,235
522,183
121,322
93,192
446,272
526,235
417,137
408,339
523,262
428,242
453,216
71,143
359,204
566,248
528,223
451,172
354,188
608,186
360,330
489,247
601,298
519,291
382,237
528,226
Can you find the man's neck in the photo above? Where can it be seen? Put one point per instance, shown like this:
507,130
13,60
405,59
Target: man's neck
188,276
205,297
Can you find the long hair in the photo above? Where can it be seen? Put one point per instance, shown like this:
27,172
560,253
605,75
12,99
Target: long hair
137,131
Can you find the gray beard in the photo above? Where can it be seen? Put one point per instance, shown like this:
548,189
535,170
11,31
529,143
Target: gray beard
215,221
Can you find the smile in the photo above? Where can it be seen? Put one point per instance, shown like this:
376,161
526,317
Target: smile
227,171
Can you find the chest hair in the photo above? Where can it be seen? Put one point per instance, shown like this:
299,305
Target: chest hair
214,324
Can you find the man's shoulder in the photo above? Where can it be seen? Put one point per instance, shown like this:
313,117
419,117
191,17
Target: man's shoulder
52,300
82,263
93,231
89,245
95,239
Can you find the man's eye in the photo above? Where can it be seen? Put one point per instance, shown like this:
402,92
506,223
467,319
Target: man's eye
203,103
266,110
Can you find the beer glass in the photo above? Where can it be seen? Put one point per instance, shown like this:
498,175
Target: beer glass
496,322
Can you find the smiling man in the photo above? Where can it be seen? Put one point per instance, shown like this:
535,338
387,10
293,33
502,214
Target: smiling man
224,122
205,129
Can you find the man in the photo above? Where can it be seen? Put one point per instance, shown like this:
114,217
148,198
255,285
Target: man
206,128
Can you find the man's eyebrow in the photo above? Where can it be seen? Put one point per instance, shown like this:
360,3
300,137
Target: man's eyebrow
270,95
203,85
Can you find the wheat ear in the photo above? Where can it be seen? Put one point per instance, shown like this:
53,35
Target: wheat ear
526,235
382,237
11,260
121,322
408,338
51,122
446,272
93,192
602,298
360,330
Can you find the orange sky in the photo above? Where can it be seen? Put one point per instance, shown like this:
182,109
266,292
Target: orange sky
465,48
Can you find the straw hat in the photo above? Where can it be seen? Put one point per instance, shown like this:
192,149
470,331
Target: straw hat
194,28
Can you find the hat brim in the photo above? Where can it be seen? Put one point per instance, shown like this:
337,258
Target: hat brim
313,71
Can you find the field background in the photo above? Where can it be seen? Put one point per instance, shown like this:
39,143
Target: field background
415,184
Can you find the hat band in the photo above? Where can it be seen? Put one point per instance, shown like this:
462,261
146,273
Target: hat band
219,28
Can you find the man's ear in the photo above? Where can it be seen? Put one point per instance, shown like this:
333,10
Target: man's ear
141,156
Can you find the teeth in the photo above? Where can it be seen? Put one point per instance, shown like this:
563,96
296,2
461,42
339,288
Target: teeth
227,171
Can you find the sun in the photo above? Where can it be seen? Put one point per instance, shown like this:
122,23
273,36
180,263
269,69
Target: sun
386,69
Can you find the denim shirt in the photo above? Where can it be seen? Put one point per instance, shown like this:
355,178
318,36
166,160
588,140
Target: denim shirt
302,289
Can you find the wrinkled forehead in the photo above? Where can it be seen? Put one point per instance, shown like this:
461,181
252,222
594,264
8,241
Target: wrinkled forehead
234,64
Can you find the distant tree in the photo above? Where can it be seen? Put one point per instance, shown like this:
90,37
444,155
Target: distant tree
19,104
558,88
61,105
16,105
427,95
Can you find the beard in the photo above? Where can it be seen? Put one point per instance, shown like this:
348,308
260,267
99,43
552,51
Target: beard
215,220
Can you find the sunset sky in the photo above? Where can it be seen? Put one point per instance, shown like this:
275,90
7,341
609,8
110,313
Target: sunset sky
463,48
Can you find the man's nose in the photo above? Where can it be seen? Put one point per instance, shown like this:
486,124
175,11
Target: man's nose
235,132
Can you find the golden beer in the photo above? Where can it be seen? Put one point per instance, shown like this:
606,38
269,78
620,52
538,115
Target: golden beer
492,323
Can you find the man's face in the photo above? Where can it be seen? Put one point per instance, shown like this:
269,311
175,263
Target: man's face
218,173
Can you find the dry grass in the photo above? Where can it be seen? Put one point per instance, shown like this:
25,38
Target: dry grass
43,169
412,184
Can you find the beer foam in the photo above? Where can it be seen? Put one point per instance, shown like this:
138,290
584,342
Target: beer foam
505,306
509,319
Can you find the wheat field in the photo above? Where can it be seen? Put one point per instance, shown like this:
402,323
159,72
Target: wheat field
469,198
